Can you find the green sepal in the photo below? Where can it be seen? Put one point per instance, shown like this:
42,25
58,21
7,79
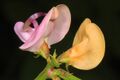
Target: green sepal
41,52
67,67
54,61
37,56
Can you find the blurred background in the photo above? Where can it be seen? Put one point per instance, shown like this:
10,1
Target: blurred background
20,65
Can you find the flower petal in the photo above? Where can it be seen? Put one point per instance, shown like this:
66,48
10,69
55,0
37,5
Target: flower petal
61,24
32,19
88,50
38,35
23,35
81,33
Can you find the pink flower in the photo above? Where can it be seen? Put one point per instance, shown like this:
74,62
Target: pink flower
51,30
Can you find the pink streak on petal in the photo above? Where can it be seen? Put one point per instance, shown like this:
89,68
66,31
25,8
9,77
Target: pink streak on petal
32,19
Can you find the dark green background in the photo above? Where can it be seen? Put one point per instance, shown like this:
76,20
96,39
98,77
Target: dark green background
19,65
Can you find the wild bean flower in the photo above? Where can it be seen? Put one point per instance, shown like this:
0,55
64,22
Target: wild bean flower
51,30
88,47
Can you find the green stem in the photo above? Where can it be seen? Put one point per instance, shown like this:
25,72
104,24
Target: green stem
53,63
43,74
65,75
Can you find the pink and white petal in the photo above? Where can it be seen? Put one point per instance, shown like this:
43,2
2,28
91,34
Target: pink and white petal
61,24
35,47
38,33
19,30
49,29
